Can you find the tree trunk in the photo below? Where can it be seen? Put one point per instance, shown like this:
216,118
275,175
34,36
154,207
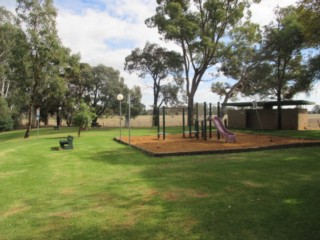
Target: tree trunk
2,88
27,134
155,119
223,107
6,92
46,121
33,96
190,109
227,96
69,120
156,91
79,131
192,91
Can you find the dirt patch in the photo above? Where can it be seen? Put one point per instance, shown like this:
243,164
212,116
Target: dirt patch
177,145
65,215
15,209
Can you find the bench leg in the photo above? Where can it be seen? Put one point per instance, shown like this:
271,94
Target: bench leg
62,143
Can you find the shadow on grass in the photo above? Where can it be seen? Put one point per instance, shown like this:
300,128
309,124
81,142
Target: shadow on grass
300,134
264,195
140,231
6,136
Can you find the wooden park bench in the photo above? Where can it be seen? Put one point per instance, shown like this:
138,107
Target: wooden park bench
67,144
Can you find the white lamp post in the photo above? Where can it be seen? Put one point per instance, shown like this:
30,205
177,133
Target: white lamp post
129,104
120,98
58,118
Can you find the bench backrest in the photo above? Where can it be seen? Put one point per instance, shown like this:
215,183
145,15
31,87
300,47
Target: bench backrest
70,140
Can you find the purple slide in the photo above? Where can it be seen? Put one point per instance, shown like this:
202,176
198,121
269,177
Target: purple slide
229,136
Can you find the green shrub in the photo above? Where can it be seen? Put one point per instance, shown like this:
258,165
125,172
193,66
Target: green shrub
82,117
6,123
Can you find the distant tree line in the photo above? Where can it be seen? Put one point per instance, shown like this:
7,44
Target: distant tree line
37,71
215,38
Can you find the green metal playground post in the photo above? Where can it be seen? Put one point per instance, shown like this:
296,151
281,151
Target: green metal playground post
210,120
205,120
164,123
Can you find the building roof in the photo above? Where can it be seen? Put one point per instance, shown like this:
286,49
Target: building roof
270,103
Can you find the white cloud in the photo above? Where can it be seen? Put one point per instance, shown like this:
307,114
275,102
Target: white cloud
108,33
263,13
99,36
106,36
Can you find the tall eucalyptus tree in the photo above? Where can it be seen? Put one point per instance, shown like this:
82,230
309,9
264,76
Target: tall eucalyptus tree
159,64
198,27
38,18
285,72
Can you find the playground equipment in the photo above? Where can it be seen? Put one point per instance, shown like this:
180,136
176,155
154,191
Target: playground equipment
163,130
163,123
195,132
227,135
195,127
200,126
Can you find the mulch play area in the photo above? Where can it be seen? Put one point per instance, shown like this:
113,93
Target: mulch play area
175,145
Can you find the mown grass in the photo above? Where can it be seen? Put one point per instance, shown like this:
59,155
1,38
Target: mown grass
305,134
104,190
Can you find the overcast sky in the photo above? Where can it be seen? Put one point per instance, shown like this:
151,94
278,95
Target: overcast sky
106,31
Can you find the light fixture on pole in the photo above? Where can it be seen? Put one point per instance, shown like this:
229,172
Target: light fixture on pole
120,98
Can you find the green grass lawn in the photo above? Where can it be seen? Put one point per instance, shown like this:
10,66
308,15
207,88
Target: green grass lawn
104,190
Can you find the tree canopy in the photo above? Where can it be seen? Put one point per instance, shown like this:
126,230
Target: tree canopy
9,35
36,70
198,28
159,64
238,62
309,17
282,71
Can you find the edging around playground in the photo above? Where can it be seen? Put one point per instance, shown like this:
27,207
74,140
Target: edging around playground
224,151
